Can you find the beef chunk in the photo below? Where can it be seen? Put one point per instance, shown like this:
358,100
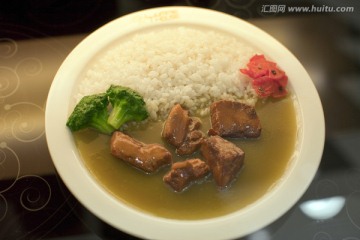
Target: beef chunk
182,131
193,138
147,157
182,174
234,119
224,158
175,127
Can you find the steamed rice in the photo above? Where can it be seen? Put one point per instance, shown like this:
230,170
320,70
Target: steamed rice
183,65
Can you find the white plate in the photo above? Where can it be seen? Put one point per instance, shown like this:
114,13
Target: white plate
264,211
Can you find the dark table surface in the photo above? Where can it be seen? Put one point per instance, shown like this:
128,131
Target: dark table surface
35,37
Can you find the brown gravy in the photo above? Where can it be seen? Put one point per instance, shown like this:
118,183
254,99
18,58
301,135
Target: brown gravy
265,162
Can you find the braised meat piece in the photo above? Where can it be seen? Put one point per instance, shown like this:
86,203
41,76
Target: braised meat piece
182,131
234,119
147,157
183,174
193,138
224,158
175,127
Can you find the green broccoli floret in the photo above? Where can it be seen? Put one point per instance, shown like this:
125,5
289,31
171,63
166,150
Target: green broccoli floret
127,106
91,112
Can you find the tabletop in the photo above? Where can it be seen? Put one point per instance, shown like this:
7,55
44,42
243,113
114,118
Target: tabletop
36,37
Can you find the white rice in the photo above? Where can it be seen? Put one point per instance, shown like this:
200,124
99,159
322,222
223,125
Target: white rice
183,65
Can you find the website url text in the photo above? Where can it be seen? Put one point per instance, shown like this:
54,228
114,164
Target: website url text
302,9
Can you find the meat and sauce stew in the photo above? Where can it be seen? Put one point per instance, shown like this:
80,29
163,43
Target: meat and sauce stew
189,187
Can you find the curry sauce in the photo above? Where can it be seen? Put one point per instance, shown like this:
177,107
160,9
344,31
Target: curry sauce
266,160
